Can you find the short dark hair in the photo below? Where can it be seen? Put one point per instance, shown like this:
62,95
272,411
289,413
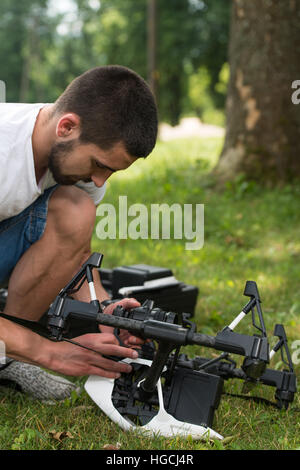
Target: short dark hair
114,104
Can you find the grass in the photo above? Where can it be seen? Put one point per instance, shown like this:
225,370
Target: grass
251,232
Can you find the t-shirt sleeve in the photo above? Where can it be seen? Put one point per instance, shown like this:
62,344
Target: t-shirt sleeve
97,194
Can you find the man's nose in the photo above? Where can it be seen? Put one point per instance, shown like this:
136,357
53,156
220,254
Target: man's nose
99,180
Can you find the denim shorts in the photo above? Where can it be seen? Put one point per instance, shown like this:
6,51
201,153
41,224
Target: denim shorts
18,233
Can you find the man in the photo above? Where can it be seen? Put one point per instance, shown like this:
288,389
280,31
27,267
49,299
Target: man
55,159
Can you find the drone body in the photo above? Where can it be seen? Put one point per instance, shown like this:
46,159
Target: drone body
167,393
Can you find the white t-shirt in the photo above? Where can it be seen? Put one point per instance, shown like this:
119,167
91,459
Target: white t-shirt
18,186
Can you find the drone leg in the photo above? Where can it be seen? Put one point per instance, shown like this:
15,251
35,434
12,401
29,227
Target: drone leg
148,386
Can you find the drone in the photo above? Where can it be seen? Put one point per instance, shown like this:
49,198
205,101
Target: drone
167,393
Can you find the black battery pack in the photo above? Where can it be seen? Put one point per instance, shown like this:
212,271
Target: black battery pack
194,396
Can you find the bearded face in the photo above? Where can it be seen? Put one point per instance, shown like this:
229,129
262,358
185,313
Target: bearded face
71,161
60,157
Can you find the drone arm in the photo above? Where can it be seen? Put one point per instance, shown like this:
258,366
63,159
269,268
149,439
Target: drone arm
63,310
285,384
173,334
250,346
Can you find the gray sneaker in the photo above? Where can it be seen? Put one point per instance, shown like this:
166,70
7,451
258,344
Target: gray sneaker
36,382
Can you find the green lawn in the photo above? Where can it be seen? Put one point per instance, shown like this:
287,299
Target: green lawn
251,233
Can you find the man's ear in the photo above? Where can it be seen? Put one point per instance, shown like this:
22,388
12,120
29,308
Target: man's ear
68,125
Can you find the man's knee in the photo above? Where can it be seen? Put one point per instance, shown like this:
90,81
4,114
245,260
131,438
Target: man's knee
71,214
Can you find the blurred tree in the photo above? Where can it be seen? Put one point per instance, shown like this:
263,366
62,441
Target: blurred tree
200,98
25,33
189,34
42,52
262,135
152,44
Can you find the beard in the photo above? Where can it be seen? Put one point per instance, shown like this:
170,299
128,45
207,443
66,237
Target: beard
59,153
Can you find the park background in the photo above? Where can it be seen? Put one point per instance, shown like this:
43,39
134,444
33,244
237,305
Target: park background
225,76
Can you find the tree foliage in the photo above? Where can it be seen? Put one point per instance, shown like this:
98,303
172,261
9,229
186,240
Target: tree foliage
26,33
40,53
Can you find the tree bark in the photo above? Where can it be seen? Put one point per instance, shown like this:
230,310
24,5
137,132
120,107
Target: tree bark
152,44
263,123
29,52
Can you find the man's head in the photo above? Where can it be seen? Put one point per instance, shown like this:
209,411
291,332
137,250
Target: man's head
106,118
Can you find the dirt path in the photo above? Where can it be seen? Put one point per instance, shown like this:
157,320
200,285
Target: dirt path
189,127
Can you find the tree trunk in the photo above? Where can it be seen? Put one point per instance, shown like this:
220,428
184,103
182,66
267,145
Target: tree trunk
263,123
152,44
29,52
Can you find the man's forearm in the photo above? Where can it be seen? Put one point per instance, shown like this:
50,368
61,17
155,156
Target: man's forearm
23,344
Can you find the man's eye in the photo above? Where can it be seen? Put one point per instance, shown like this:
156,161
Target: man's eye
99,165
103,167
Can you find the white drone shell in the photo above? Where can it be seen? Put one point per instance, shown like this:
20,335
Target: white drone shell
100,390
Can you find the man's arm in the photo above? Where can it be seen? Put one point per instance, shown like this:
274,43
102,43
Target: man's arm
24,345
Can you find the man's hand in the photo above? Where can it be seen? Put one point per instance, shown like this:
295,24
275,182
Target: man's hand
70,359
73,360
127,338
